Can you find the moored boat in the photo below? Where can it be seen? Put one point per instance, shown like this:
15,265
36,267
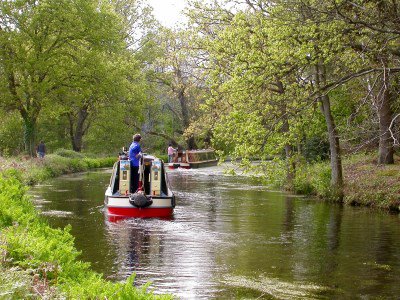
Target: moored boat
153,199
192,159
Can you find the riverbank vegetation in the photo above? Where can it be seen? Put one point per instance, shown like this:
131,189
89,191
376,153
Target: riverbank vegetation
32,171
367,184
39,262
308,83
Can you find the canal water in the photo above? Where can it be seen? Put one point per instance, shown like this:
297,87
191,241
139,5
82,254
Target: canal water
232,238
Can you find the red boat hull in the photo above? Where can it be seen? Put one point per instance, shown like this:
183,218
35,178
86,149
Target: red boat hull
176,167
127,212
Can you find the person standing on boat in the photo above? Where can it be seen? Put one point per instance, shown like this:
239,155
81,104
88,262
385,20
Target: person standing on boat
135,155
171,152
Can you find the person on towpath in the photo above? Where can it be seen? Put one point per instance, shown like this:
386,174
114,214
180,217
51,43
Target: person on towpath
41,149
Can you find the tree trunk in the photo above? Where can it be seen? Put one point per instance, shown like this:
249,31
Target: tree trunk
29,114
386,151
30,136
334,144
77,134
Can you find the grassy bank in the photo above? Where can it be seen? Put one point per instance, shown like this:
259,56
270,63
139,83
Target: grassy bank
61,162
38,261
366,183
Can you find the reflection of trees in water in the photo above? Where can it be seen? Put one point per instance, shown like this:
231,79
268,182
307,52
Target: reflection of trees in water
212,200
384,252
137,246
289,215
334,228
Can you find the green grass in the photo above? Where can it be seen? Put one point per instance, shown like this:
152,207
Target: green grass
62,162
369,184
365,182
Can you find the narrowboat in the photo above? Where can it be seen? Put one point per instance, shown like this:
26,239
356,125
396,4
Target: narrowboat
153,198
192,159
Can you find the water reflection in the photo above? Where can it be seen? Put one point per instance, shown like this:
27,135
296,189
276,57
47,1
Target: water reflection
232,238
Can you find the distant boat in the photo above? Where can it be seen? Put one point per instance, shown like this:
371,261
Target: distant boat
193,159
153,199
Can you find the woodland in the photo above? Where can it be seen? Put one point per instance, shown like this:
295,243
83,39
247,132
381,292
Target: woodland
294,81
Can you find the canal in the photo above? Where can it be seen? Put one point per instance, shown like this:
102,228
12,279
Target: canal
232,238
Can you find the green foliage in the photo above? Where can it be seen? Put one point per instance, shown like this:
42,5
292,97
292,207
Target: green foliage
314,179
315,149
163,157
270,66
65,65
11,135
68,153
55,165
20,210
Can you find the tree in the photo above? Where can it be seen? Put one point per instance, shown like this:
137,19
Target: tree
176,71
262,67
40,43
378,42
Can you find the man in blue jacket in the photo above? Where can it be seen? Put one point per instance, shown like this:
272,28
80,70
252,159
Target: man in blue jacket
135,155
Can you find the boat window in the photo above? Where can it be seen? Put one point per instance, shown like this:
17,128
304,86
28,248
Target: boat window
164,188
115,183
204,156
146,178
191,156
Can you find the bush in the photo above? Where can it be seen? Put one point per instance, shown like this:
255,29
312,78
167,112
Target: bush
68,153
11,134
316,148
163,157
314,180
55,165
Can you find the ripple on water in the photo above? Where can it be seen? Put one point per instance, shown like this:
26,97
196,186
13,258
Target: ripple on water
57,213
277,288
39,201
76,200
43,185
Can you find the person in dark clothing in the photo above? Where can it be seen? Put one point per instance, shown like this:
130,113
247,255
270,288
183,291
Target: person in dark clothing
41,150
135,155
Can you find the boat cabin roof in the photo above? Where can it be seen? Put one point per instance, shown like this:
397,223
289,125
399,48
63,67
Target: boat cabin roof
200,150
148,157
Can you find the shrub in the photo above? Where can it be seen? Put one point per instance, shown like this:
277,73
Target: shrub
163,157
55,165
68,153
313,179
92,163
316,148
